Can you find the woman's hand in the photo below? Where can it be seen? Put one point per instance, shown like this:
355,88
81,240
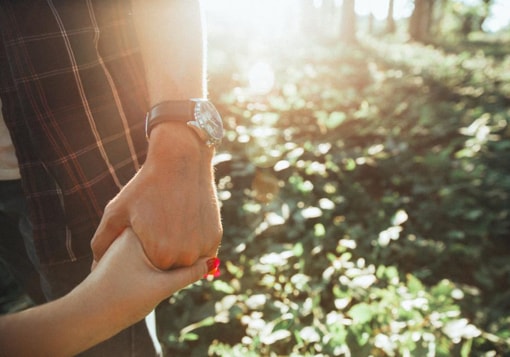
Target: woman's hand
122,289
126,281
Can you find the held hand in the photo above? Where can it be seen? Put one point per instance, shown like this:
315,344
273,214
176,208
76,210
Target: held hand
170,204
122,289
125,281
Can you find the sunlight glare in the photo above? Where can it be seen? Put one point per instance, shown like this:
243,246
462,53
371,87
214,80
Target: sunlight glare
317,3
379,8
261,78
499,17
261,18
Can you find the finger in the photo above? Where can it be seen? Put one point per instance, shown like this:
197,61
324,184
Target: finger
111,226
176,279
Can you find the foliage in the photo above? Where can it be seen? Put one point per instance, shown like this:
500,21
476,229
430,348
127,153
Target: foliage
365,203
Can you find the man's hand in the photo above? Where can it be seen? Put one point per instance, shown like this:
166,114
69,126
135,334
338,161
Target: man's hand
170,204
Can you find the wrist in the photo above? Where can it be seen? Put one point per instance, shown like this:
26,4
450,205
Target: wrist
171,141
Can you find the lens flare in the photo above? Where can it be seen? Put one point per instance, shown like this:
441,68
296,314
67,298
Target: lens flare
261,78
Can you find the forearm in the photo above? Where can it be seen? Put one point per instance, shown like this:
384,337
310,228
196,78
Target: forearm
95,310
172,43
123,288
63,327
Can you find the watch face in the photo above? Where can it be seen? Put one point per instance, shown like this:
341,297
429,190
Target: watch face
209,120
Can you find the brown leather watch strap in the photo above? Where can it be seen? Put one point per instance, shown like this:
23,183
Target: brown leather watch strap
172,110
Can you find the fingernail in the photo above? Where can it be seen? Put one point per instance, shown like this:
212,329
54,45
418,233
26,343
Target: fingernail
213,264
213,267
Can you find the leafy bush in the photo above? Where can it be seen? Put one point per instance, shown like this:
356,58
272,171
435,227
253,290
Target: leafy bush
365,204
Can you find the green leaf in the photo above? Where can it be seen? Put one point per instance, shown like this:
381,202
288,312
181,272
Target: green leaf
414,284
466,348
190,337
361,313
319,230
223,287
298,250
335,119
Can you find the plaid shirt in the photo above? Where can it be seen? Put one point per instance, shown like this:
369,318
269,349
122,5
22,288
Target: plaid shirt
74,99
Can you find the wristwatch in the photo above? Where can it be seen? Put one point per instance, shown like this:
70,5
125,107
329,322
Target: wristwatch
199,114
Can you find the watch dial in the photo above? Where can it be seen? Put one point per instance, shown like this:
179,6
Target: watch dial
209,119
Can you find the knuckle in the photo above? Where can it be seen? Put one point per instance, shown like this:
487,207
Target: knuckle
218,236
188,259
158,255
110,210
189,256
94,245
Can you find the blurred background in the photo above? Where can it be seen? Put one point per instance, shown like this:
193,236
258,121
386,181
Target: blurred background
364,181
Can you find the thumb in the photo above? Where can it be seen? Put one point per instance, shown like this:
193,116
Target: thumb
111,226
176,279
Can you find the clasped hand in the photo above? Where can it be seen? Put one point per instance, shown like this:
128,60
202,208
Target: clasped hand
171,203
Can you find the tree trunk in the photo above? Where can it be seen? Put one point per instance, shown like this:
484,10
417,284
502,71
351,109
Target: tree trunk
421,20
390,19
371,24
348,25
